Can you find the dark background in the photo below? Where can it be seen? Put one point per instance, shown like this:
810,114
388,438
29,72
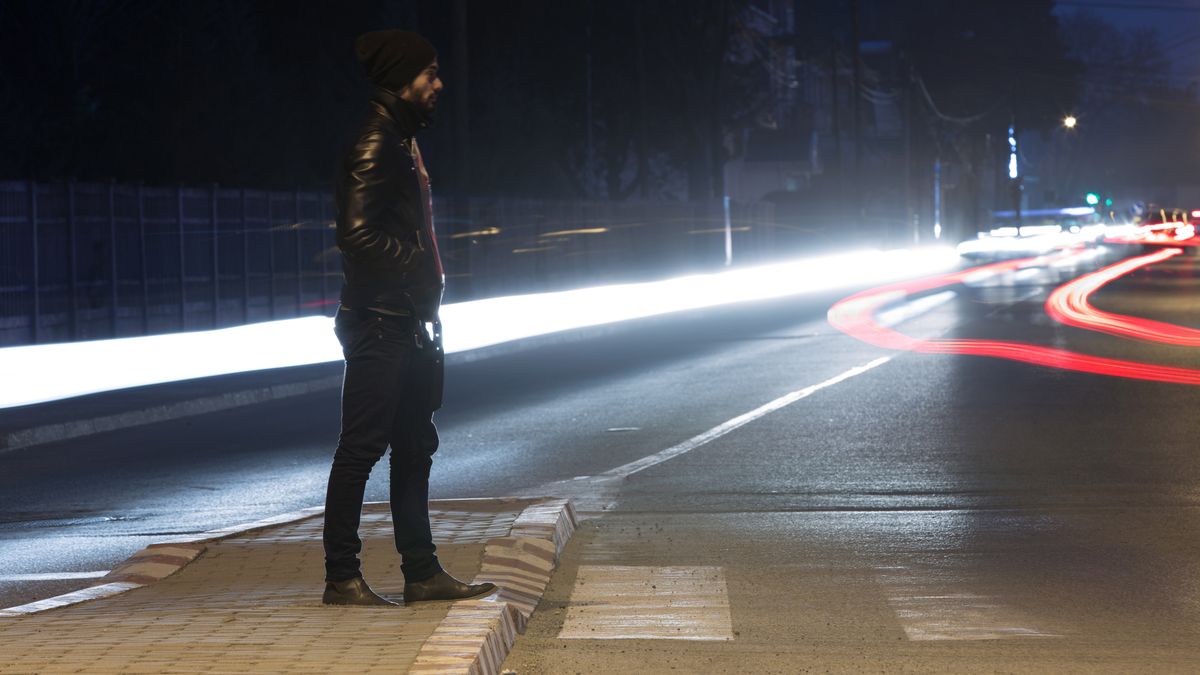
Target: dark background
609,100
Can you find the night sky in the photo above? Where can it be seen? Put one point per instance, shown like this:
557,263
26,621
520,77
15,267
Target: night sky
1175,20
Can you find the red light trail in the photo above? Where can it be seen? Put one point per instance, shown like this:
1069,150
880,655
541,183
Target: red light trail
1069,305
1160,234
855,316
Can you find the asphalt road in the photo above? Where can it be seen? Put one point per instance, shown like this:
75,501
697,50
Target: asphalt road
934,512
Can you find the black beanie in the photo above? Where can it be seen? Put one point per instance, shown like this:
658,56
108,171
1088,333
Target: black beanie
393,58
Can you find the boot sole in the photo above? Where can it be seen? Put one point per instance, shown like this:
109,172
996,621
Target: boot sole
461,597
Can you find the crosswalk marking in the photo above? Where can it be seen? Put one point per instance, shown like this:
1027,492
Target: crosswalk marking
930,608
651,603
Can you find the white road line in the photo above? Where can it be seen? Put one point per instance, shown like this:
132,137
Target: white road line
720,430
889,317
596,494
53,576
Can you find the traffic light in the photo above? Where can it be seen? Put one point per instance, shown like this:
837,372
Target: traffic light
1092,198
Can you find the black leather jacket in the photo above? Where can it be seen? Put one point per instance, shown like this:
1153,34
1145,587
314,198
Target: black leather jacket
387,261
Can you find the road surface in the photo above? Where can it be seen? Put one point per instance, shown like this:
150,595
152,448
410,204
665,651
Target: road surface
837,504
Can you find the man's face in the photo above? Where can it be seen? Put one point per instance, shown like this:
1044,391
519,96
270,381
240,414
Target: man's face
423,91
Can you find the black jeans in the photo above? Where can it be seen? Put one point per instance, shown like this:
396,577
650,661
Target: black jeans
386,400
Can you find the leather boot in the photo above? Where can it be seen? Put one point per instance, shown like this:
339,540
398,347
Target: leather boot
353,592
442,586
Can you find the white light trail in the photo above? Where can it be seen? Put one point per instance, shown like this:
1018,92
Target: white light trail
40,373
1035,240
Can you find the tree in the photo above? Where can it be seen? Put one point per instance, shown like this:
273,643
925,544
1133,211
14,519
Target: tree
1133,118
583,99
978,68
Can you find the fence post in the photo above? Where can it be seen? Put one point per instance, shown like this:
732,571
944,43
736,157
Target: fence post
141,223
114,298
271,249
322,230
182,258
245,263
728,232
460,247
216,268
36,319
72,276
299,258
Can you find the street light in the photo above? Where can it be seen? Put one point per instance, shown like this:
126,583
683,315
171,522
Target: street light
1069,121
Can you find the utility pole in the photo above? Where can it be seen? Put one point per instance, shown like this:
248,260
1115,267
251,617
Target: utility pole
460,246
643,133
836,117
459,85
855,96
937,197
1014,172
908,123
590,149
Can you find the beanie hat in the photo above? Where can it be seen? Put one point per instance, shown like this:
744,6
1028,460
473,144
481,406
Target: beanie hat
393,58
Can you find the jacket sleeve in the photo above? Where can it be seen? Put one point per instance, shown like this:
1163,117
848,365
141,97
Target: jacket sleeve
364,200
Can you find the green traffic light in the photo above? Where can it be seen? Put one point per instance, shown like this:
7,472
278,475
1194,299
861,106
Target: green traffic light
1092,199
1108,202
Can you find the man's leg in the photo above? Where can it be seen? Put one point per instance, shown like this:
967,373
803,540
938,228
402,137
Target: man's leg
370,395
414,440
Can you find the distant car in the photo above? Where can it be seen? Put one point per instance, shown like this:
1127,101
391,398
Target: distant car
1154,226
1166,227
1035,232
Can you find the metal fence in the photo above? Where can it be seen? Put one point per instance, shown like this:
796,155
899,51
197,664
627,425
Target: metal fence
83,261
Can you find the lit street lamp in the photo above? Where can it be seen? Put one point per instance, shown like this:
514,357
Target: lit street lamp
1069,121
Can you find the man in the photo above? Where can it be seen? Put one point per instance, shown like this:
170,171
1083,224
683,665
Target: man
388,326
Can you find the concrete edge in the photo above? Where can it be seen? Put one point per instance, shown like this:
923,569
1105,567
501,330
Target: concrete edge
156,562
477,635
74,598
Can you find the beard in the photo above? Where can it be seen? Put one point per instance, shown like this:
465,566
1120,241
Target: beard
428,109
429,113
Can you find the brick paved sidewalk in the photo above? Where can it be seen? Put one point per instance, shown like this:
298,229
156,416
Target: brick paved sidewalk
251,602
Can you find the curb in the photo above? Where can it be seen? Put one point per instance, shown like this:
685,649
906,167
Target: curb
476,635
156,562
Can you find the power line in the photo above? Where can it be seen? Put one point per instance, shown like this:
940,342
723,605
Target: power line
956,120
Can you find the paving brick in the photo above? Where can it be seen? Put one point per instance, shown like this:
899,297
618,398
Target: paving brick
251,601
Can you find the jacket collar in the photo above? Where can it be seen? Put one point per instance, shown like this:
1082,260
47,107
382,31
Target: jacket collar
409,120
